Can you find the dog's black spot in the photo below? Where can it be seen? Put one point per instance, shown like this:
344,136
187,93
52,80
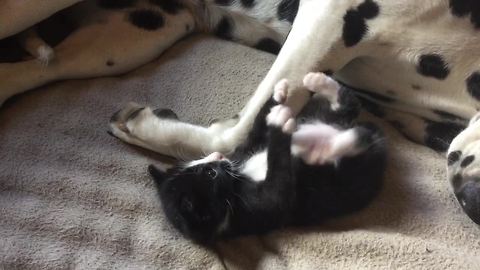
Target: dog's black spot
115,4
165,114
248,3
115,117
416,87
287,10
457,181
354,28
224,29
355,24
391,93
169,6
433,65
397,124
223,2
375,96
146,19
111,134
439,135
268,45
369,9
448,116
372,107
473,85
134,114
453,157
467,161
328,72
110,63
462,8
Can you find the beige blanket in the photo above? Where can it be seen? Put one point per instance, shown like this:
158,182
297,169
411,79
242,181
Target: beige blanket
72,197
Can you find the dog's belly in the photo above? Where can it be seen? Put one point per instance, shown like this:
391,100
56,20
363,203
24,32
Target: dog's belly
406,90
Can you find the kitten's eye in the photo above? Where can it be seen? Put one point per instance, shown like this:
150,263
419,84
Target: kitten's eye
211,172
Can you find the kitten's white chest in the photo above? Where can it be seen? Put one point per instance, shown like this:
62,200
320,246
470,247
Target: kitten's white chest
256,167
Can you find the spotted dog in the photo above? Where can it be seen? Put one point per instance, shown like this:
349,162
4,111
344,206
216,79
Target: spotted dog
413,63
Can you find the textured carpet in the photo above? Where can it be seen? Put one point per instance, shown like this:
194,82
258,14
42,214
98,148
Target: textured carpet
72,197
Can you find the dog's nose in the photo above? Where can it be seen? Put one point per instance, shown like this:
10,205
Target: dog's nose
469,198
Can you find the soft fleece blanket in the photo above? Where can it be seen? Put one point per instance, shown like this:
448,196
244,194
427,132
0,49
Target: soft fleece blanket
72,197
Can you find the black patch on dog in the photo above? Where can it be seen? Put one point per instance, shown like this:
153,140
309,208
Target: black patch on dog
165,114
134,114
397,124
439,135
328,72
416,87
110,63
146,19
287,10
355,24
248,3
473,85
457,181
223,2
354,28
447,116
453,157
375,96
467,161
369,9
224,29
372,107
115,4
433,65
462,8
268,45
169,6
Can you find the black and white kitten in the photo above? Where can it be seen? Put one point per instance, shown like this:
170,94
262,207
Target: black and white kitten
283,174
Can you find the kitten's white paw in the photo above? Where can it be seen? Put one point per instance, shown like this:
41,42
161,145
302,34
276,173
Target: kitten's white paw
315,81
280,91
324,85
290,126
279,115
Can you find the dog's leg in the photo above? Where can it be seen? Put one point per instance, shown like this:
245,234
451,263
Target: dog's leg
314,43
112,42
464,168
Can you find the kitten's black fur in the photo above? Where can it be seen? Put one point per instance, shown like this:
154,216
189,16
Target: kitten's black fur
213,200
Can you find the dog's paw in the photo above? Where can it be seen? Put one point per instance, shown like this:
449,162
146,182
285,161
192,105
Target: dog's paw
280,91
281,116
463,161
45,55
141,125
322,84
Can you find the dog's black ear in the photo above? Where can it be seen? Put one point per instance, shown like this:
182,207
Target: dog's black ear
157,174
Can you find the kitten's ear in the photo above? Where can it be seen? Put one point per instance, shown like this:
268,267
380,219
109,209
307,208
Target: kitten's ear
157,174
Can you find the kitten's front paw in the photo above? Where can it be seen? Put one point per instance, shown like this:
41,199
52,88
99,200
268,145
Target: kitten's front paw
322,84
280,91
281,116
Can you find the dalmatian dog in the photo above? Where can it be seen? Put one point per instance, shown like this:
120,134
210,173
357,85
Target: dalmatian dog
413,63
